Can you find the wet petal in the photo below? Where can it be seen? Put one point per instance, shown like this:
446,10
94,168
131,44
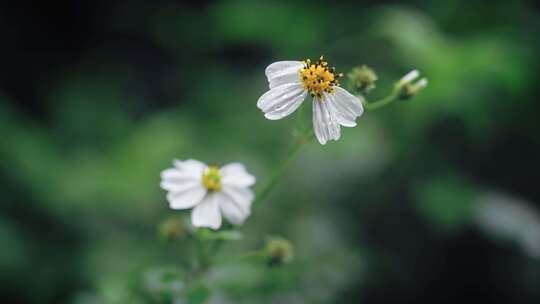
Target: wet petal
325,124
348,102
282,72
345,113
282,101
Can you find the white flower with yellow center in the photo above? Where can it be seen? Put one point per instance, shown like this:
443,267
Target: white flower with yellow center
210,191
291,81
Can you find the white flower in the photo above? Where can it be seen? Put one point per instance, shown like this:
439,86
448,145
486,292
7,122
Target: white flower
406,86
291,81
210,191
510,218
408,78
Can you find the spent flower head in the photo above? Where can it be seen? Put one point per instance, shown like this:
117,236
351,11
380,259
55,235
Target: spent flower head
362,78
210,191
173,228
278,251
291,81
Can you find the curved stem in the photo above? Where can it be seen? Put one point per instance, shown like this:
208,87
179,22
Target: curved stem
293,153
205,249
382,102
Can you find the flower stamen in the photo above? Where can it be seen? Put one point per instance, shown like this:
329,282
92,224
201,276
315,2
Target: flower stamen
211,179
318,78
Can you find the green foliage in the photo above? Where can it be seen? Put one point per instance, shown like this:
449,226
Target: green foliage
445,202
80,167
197,295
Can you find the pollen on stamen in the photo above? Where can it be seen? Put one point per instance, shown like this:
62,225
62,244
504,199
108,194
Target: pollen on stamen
317,78
211,179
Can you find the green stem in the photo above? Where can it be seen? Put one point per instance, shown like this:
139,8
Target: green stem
382,102
293,153
204,248
203,257
257,254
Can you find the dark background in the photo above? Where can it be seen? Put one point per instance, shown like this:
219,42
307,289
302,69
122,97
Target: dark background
96,97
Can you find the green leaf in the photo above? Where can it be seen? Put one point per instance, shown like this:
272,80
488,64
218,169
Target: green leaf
197,294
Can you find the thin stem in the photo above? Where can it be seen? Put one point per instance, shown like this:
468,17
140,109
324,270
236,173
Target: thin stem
257,254
203,257
382,102
293,153
206,249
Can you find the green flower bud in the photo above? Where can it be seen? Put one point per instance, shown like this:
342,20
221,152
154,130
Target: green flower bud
173,228
362,79
278,251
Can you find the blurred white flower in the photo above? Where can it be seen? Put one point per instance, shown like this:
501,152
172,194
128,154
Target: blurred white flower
291,81
406,86
210,191
408,78
510,218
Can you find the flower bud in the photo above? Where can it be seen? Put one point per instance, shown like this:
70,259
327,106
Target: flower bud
407,88
278,251
172,228
362,78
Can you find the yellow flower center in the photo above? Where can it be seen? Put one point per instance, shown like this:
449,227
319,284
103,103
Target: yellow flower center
211,179
318,78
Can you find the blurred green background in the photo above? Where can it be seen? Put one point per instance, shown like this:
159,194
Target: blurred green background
434,199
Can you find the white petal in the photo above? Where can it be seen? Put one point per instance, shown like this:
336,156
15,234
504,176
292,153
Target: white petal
325,123
345,106
186,198
278,66
235,174
420,84
173,174
348,101
191,167
283,72
282,101
412,75
184,176
174,178
174,185
343,117
206,214
170,173
243,197
234,212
